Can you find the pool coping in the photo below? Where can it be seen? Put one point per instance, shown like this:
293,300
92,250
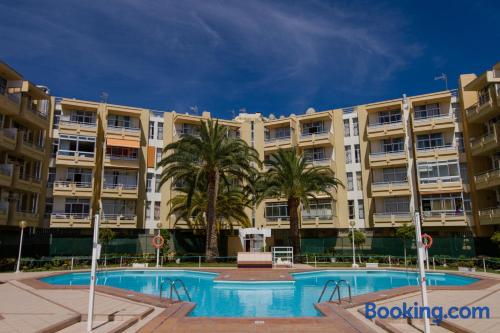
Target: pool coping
175,310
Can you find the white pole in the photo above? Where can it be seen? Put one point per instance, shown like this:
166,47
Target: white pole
72,262
433,264
18,268
121,261
199,261
95,250
353,249
158,253
390,265
427,257
484,265
421,267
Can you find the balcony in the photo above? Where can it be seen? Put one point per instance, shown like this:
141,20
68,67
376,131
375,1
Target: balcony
119,221
309,139
489,216
72,189
4,212
389,129
6,172
29,216
70,220
488,179
388,189
277,222
321,221
78,128
384,159
446,219
323,162
433,123
391,219
34,114
8,138
486,144
28,148
26,183
123,133
482,111
448,151
10,104
120,191
440,185
278,142
121,161
75,158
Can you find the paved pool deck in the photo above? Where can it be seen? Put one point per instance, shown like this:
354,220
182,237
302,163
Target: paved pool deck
29,305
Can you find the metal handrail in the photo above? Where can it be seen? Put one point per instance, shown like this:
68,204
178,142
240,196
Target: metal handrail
173,288
324,289
336,289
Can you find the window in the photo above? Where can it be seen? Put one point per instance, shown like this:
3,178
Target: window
121,153
278,133
394,175
442,203
359,181
277,210
321,209
315,154
79,175
49,205
387,117
151,130
347,129
148,210
355,127
119,121
427,111
159,135
361,209
157,183
55,146
159,152
57,117
82,117
350,185
432,171
429,141
350,204
149,182
464,173
456,110
357,154
75,145
77,206
124,178
123,208
157,211
393,145
459,138
348,154
189,129
52,177
397,205
314,127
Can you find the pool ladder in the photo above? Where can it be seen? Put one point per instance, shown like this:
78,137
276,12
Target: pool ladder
173,288
338,284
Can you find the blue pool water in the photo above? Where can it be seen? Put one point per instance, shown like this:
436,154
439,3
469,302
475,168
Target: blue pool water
256,299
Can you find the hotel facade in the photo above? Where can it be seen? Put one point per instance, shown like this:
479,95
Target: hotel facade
61,159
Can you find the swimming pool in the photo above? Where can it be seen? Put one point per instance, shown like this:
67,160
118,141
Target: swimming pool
256,299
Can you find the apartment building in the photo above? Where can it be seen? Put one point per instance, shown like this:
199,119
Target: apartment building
480,98
98,161
437,153
24,109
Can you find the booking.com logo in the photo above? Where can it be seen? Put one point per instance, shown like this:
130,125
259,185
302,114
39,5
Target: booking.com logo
435,313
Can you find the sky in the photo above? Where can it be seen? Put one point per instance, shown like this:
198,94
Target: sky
277,57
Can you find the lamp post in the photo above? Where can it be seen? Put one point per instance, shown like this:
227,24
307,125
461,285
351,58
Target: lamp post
22,225
352,224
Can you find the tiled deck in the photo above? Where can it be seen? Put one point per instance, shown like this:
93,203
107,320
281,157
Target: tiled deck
124,311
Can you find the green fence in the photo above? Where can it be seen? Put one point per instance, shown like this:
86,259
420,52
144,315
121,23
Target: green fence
442,246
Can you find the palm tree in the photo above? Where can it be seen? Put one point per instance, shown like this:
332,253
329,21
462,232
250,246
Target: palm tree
290,176
212,157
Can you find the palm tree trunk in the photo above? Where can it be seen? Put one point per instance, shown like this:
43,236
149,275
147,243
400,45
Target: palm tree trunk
212,250
293,209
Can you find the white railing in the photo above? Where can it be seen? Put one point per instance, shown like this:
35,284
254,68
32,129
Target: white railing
60,183
388,153
395,214
123,128
319,217
276,139
121,157
395,123
70,216
319,161
120,186
75,122
438,213
438,115
86,154
121,217
317,134
446,147
400,183
435,180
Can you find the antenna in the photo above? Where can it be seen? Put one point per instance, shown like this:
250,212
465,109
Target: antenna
104,97
194,109
444,78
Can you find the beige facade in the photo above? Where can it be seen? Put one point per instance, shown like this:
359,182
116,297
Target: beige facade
437,153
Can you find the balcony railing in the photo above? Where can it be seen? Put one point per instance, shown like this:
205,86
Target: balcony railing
123,128
60,183
394,123
487,175
120,186
70,216
483,138
317,134
443,179
390,183
319,161
445,147
277,218
87,154
396,215
122,217
387,153
439,213
122,157
79,123
32,144
277,138
9,133
319,217
427,116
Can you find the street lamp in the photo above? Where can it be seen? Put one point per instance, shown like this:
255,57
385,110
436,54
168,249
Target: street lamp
352,224
22,225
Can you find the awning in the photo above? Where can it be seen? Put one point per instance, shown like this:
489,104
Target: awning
123,143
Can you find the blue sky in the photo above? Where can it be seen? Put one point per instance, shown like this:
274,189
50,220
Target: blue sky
265,56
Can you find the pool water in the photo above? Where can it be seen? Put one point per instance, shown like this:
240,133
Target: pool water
257,299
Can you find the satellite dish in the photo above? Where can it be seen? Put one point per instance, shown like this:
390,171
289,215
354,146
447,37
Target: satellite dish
292,115
282,117
310,111
271,116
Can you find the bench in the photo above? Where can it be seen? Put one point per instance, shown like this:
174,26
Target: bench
255,260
